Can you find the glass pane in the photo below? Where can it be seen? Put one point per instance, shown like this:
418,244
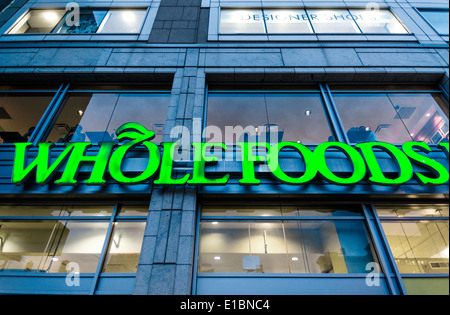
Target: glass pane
280,210
125,247
19,115
245,21
287,21
332,247
294,116
133,211
95,117
333,21
90,21
49,210
419,247
38,21
50,246
149,110
284,247
426,286
377,21
412,210
439,20
422,116
256,210
371,117
235,117
241,247
124,21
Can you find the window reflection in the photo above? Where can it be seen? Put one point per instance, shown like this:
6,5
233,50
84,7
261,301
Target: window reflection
245,21
19,115
439,19
94,117
400,211
281,210
284,247
287,21
377,21
90,21
260,117
393,117
333,21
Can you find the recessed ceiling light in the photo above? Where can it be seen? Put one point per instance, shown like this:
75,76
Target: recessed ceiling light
51,16
308,113
217,258
128,16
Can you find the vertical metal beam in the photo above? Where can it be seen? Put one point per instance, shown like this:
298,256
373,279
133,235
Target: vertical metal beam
46,120
104,250
332,115
387,249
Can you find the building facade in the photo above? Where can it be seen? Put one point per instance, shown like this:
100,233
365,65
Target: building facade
276,147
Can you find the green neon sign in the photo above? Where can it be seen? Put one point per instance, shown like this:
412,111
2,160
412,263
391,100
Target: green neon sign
366,161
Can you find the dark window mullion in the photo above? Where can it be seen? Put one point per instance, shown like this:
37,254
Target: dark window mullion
44,126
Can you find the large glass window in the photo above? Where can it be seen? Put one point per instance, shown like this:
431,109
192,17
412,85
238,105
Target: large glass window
439,19
267,117
95,116
377,21
54,239
89,21
20,113
419,245
303,245
38,21
242,21
307,21
394,117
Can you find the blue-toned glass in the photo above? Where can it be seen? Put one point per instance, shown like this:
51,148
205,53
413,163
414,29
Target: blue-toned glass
90,21
439,19
393,117
267,117
340,247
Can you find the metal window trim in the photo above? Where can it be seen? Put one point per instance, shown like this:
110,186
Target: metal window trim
44,126
387,250
104,251
333,115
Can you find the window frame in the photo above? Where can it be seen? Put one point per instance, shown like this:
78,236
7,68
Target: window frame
110,219
45,124
378,220
313,33
59,24
380,91
362,217
419,11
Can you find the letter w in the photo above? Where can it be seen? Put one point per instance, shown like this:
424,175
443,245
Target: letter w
44,173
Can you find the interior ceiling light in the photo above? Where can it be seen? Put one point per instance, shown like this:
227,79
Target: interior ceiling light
51,16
